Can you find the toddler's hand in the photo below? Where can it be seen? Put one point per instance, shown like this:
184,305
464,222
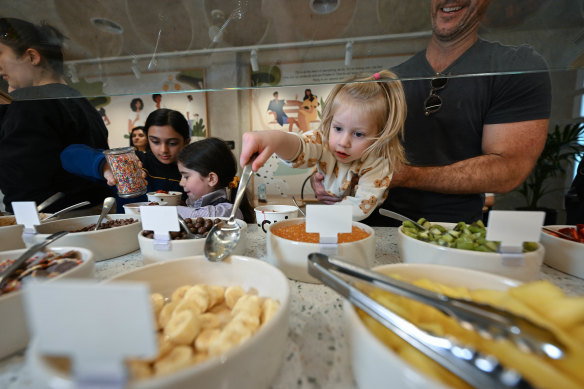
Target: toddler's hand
320,192
251,144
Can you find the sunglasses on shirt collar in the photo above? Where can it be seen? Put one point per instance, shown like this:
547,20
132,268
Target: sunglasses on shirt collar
433,102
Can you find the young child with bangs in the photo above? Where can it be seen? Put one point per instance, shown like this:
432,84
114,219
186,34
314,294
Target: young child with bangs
357,146
208,171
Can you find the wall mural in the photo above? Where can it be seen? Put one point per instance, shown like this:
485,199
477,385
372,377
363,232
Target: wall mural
121,112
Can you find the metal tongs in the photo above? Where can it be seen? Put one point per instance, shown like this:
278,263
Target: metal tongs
475,368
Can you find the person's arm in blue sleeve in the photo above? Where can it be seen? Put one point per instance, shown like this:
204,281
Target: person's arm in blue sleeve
84,161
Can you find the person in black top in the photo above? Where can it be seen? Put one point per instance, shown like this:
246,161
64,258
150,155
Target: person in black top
575,198
465,135
45,116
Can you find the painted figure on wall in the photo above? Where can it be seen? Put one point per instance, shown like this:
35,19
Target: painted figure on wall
136,118
276,109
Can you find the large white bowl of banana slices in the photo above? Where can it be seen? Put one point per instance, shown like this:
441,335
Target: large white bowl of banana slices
219,325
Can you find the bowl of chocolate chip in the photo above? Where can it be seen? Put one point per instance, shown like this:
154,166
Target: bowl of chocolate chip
116,235
55,263
184,245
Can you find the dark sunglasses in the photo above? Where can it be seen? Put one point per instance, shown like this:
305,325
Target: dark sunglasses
433,102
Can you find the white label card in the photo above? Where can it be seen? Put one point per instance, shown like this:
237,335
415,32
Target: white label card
97,325
513,228
159,219
26,213
329,220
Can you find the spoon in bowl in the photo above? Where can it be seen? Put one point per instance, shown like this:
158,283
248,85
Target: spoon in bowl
400,217
296,204
108,203
224,236
65,210
186,228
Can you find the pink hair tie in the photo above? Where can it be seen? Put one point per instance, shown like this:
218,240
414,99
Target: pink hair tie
376,76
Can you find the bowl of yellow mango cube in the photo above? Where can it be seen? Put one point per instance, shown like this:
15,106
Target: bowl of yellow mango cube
465,245
379,356
219,325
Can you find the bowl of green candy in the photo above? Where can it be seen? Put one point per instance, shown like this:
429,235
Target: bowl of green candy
465,245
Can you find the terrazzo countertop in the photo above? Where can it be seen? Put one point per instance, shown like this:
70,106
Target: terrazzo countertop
317,352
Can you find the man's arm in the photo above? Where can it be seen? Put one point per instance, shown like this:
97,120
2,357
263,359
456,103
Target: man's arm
510,151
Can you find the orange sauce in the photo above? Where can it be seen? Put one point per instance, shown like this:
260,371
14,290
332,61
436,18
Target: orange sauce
297,232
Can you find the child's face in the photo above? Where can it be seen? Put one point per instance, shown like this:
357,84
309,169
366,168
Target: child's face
351,132
165,143
139,139
195,185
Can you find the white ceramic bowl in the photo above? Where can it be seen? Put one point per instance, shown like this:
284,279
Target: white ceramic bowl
13,330
172,198
11,236
185,247
134,208
105,244
562,254
292,256
270,214
374,364
416,251
11,233
250,365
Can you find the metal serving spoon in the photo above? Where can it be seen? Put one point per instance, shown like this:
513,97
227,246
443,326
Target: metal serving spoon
224,236
65,210
108,203
402,218
296,204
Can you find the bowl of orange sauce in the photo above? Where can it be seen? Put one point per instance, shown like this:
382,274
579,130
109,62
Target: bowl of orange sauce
288,247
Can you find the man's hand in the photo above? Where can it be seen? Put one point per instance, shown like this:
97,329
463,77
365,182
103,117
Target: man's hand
321,193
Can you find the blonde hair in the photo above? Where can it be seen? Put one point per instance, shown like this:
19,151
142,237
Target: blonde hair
382,97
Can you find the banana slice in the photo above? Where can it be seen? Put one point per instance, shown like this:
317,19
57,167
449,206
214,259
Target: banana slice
234,333
248,303
250,320
183,327
222,312
209,320
188,305
179,293
157,301
166,313
204,339
232,294
216,295
178,358
269,308
200,295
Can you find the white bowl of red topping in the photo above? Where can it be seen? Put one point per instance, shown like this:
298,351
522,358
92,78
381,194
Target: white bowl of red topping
242,305
118,234
179,246
171,197
134,208
288,247
270,214
13,330
564,254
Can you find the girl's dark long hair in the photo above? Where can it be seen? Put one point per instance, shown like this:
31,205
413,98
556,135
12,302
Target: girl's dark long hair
214,155
168,117
21,35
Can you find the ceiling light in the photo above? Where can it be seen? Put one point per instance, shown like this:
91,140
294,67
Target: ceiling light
135,69
107,25
323,7
73,74
348,53
253,59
